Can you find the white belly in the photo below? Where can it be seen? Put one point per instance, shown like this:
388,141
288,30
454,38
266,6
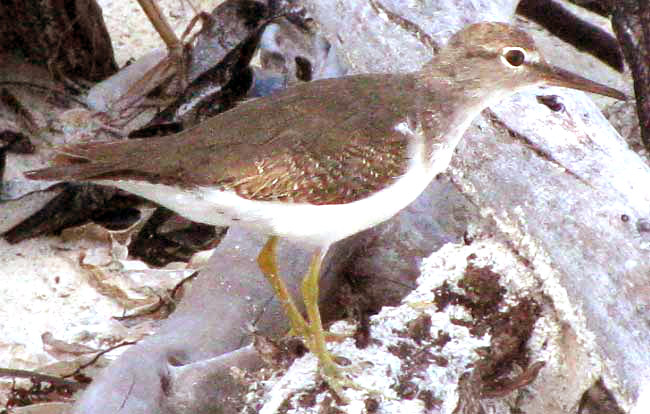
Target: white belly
317,225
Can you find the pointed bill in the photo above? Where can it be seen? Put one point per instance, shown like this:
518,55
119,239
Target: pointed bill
555,76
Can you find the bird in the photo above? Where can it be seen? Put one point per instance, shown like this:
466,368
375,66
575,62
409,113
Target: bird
323,160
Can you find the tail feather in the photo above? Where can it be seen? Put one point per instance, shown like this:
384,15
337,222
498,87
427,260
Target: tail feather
86,161
71,172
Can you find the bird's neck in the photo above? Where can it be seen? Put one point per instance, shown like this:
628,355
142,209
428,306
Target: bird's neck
450,105
465,81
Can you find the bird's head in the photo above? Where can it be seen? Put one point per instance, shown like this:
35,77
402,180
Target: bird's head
500,56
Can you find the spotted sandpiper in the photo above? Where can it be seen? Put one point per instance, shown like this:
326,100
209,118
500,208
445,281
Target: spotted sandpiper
323,160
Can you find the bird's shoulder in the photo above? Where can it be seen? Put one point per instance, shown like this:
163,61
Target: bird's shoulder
297,144
273,148
346,103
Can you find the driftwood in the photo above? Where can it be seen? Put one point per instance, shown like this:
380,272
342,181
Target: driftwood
574,201
562,186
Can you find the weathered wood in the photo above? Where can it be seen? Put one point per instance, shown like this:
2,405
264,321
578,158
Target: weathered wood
567,192
572,198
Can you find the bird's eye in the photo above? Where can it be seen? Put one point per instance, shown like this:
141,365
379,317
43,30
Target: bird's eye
513,56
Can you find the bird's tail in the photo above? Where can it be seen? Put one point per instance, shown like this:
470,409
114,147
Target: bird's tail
87,161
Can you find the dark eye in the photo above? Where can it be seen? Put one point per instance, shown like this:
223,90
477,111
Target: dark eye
514,56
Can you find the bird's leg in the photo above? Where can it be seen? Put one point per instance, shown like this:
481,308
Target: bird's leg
312,332
269,267
331,371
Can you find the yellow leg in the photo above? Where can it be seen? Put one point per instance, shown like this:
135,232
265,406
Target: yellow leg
310,288
312,332
268,265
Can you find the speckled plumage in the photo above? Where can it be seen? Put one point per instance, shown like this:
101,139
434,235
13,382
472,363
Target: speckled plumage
315,143
300,176
332,141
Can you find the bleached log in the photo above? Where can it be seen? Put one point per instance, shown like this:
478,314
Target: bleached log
563,187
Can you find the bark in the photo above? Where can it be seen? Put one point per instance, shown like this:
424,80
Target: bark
69,38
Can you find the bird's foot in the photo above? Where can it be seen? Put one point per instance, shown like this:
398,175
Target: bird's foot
335,375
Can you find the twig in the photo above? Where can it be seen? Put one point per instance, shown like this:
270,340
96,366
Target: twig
96,357
35,376
157,19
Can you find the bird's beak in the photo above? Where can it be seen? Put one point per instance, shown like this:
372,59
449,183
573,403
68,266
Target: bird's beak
555,76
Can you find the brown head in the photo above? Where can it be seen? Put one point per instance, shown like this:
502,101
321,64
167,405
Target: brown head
500,57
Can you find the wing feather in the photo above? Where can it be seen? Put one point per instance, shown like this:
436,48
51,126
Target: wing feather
289,146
